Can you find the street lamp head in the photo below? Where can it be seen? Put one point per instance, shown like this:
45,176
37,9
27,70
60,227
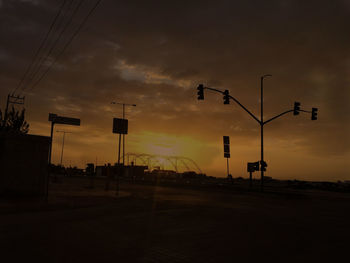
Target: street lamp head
266,75
120,103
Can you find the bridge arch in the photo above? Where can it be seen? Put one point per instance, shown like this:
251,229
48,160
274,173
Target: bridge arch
177,163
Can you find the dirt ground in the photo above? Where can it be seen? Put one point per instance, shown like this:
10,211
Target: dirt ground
148,223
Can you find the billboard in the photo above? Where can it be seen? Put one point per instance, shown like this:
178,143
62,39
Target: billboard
120,126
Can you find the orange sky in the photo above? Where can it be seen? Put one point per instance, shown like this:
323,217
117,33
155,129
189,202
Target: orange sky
155,54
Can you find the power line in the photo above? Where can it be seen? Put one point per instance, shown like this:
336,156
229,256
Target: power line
67,44
56,41
41,45
49,43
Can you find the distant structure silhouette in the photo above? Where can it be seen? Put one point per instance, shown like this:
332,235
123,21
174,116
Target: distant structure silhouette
153,161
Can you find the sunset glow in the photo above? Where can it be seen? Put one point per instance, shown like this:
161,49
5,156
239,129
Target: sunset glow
158,63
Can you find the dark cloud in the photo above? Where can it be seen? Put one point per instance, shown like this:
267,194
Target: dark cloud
154,54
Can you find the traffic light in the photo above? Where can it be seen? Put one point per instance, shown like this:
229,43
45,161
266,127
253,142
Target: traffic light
263,166
296,108
314,114
226,97
200,92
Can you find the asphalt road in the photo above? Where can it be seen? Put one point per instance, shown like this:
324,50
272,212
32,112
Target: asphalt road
174,224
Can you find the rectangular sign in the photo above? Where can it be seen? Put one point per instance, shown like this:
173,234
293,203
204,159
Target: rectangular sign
120,126
252,167
226,146
67,121
63,120
226,140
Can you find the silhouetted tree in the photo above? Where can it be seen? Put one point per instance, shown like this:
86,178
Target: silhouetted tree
14,122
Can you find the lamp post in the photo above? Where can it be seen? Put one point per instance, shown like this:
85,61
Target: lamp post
123,104
64,134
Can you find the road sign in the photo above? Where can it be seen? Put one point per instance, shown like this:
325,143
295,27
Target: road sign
67,121
120,126
252,167
226,140
63,120
226,146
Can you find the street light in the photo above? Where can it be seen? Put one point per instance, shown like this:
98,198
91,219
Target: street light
123,104
261,122
64,134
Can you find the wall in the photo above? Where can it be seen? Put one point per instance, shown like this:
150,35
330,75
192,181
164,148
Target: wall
23,164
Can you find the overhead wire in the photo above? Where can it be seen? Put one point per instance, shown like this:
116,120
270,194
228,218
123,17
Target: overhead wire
51,49
67,44
41,45
38,64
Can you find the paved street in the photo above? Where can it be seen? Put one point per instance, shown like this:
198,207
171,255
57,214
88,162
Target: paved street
164,224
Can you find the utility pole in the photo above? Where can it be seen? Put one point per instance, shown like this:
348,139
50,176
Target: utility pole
12,99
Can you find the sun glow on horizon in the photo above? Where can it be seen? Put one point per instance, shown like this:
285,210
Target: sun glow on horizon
165,144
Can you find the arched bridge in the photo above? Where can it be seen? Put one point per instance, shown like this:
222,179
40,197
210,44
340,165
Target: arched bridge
177,163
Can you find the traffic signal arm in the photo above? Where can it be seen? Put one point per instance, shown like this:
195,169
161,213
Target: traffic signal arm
277,116
235,100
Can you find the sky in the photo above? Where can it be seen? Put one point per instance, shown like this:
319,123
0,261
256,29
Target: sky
155,53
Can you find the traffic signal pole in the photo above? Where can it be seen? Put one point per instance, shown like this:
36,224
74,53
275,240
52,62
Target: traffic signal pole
262,128
235,100
261,121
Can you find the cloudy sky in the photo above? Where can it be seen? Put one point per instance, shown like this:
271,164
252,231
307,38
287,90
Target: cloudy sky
155,53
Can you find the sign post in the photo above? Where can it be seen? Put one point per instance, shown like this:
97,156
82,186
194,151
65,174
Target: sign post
227,153
120,126
252,167
55,119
